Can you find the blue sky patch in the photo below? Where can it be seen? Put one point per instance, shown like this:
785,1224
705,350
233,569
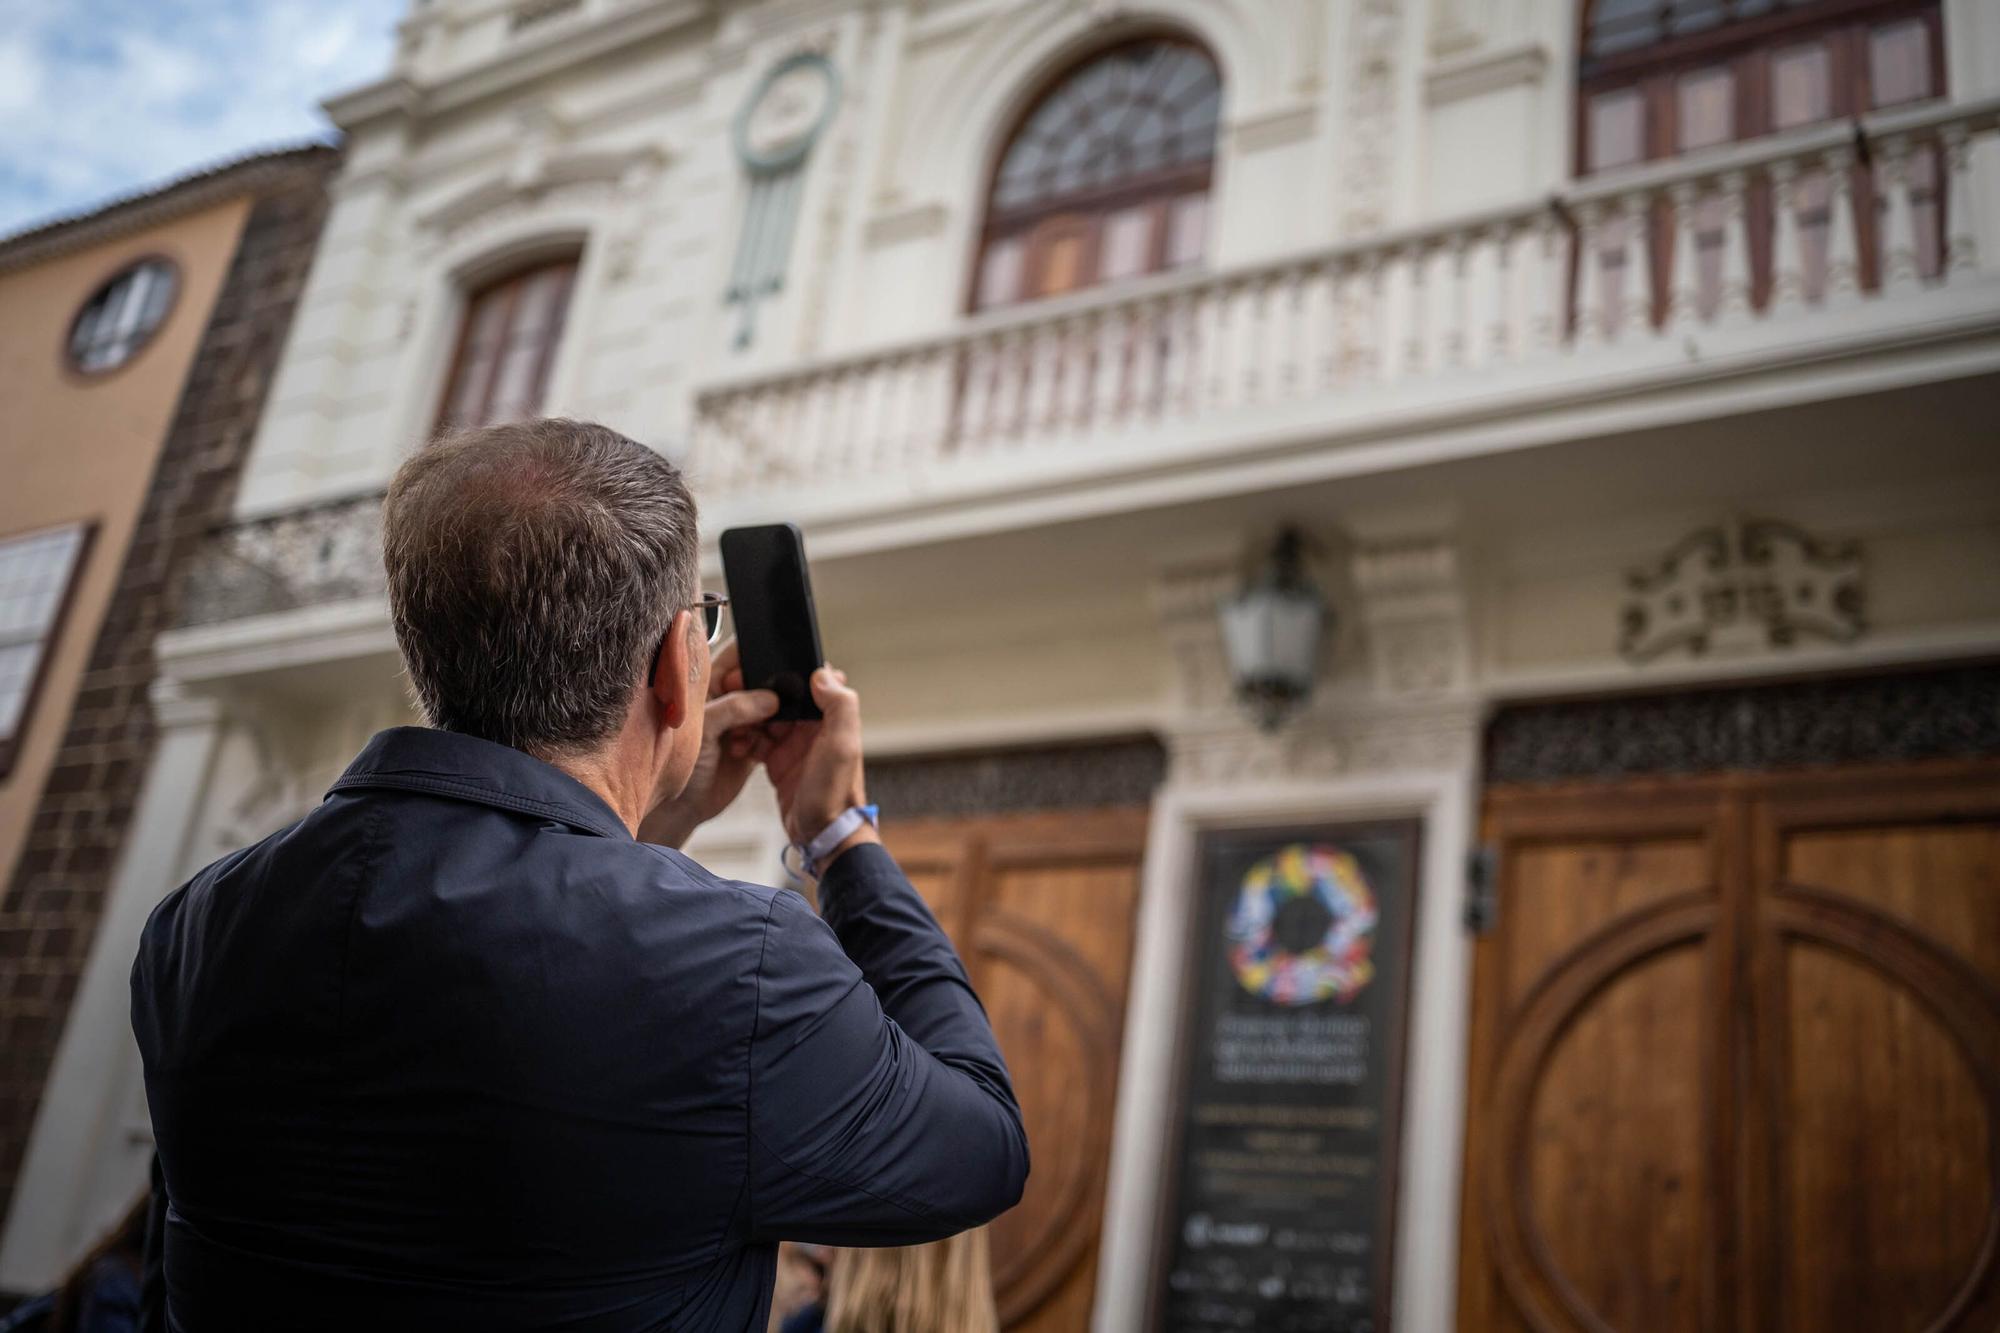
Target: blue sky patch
100,98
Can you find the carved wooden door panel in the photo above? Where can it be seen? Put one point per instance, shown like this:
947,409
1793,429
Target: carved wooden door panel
1591,1192
1041,908
1878,952
1736,1058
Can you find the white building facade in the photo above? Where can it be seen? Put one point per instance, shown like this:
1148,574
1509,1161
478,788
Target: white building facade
1633,377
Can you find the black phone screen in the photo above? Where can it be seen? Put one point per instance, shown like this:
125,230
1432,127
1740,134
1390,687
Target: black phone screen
771,601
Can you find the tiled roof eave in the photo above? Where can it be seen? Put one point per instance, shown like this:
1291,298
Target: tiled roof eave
252,174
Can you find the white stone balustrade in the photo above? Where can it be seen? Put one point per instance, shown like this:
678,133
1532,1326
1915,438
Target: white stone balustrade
1765,231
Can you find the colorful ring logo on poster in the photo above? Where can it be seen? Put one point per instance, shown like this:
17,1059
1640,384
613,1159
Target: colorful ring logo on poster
1297,883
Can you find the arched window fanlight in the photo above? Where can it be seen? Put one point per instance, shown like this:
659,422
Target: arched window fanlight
1106,176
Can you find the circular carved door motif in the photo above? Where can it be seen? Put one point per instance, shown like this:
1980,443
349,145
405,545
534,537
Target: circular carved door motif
1770,1101
1893,1058
1067,1103
1642,962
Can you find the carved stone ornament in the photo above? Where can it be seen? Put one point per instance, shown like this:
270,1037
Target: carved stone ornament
786,111
775,131
1185,598
325,553
1413,616
1369,116
1323,746
1741,587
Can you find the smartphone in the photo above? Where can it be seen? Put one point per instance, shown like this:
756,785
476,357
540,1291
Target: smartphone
771,601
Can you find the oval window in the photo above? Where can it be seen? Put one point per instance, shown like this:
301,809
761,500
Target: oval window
122,315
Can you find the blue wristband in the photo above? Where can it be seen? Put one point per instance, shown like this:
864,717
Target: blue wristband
830,837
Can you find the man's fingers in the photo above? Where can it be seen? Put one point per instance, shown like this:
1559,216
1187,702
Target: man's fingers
724,660
741,708
789,751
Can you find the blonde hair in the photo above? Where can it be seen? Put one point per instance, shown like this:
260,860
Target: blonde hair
943,1287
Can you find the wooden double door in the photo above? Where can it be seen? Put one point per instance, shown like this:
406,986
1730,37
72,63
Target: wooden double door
1736,1057
1041,909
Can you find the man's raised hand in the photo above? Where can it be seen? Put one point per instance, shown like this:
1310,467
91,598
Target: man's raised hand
815,767
733,739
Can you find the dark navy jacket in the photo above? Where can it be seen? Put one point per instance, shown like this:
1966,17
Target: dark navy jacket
455,1052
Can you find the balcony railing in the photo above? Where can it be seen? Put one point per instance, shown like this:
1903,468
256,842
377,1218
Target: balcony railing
1777,231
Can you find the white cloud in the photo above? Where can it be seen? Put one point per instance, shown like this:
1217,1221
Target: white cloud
20,77
102,97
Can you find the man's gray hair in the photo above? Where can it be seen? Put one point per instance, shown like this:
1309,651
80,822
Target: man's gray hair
534,569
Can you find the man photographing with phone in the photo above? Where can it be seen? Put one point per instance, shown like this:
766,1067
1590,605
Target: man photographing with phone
469,1046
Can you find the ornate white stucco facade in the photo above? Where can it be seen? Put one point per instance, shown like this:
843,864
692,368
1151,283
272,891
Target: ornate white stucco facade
1390,354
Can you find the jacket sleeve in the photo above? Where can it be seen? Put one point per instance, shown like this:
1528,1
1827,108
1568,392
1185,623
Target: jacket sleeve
880,1109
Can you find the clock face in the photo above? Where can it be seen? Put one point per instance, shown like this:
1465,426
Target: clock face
788,110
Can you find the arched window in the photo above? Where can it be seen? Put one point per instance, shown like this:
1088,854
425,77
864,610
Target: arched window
506,346
1106,176
1659,78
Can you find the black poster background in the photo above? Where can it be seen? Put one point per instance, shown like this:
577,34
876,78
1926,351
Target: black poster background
1281,1213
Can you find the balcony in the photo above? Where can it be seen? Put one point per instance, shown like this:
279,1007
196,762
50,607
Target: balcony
1475,335
1807,254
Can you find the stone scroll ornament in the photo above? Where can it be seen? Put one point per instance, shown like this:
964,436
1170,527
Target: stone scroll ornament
1743,586
775,132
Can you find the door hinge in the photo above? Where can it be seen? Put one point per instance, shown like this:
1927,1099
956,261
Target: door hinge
1482,889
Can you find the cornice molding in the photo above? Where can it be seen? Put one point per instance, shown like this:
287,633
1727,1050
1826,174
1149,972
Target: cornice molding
911,222
396,95
1488,72
559,171
1275,128
526,60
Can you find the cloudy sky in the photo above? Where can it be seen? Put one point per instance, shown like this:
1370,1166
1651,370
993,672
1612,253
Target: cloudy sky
102,97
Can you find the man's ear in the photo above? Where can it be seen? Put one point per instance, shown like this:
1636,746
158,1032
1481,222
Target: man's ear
676,672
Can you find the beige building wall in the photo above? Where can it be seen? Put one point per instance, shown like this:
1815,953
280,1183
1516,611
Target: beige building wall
83,447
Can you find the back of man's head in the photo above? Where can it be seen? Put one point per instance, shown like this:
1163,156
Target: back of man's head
533,570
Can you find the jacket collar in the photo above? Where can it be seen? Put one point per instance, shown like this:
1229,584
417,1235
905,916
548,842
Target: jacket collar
446,763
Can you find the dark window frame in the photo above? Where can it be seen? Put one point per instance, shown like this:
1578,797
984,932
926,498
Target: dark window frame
126,266
1042,225
1746,47
12,743
508,285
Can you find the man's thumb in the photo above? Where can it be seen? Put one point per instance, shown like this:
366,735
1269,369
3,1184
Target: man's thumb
831,693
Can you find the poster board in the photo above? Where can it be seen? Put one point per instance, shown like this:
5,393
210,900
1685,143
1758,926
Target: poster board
1281,1188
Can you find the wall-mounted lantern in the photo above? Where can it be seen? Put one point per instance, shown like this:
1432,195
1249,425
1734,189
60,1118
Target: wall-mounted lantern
1271,633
